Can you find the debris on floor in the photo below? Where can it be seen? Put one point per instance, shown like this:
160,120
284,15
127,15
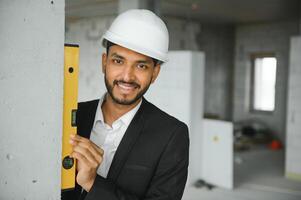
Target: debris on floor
251,133
203,184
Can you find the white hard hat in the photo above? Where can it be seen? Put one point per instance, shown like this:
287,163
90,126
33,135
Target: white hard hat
141,31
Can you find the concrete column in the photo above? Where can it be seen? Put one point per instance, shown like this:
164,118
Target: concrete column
124,5
293,118
153,5
31,88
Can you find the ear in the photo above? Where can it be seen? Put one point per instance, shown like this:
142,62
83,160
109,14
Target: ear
104,62
156,72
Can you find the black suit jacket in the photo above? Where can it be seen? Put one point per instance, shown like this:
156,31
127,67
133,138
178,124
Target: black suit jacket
151,161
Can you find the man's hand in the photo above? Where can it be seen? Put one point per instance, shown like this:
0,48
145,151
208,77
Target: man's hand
89,156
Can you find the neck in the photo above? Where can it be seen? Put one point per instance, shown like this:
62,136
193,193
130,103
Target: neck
112,110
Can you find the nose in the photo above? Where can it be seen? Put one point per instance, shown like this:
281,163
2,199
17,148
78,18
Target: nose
129,73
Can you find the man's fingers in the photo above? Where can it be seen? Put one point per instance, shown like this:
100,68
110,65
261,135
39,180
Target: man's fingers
87,144
94,160
95,152
80,158
78,138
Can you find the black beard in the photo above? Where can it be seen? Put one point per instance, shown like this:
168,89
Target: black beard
125,102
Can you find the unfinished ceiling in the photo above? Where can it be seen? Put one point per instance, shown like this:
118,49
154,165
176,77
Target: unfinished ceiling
212,11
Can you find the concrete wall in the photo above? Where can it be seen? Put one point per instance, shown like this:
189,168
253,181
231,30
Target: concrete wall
217,42
293,141
271,37
87,33
182,34
31,87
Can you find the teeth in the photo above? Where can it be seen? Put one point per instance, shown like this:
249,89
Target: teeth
126,86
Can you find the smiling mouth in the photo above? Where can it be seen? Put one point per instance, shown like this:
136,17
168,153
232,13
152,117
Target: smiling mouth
126,86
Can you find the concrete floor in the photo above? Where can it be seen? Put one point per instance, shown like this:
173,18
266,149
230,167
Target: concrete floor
258,175
236,194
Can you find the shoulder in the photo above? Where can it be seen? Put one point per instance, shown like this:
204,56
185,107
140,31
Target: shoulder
153,111
157,119
169,134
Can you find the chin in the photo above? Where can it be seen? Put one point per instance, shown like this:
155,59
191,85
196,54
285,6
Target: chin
125,97
125,101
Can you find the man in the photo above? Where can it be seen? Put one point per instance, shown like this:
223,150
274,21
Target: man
126,148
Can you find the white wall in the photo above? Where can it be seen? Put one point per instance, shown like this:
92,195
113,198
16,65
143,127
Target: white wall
174,93
217,152
271,37
31,87
293,137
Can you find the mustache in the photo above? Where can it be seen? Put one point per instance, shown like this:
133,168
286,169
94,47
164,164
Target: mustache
132,83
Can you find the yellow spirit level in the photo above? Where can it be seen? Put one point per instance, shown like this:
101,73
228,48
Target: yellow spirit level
69,114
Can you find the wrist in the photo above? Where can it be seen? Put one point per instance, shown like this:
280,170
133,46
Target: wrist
87,186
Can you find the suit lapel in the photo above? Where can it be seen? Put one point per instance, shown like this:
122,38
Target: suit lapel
127,143
85,118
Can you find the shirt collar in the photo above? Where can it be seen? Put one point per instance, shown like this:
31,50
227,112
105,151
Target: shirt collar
98,114
126,118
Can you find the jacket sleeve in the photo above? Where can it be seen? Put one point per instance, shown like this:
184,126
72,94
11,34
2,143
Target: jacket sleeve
169,180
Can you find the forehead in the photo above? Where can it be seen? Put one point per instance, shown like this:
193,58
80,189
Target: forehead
127,53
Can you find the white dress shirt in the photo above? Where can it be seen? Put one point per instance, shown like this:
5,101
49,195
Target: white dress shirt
108,138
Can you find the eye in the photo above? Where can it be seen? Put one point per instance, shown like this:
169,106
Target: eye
142,66
117,61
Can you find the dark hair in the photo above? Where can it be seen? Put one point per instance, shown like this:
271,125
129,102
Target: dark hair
109,44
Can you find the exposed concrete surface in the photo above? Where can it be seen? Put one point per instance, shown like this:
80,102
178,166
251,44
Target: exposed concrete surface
293,119
31,87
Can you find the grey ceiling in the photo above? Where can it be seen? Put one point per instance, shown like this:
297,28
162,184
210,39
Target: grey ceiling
211,11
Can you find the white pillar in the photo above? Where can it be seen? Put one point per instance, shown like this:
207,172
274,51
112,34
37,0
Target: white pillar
31,88
179,99
293,121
